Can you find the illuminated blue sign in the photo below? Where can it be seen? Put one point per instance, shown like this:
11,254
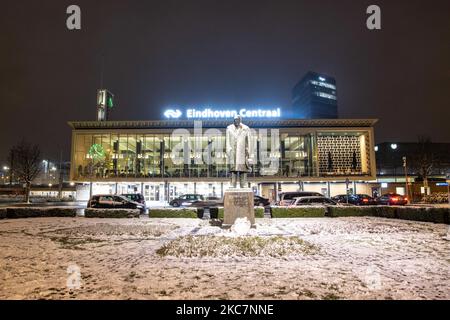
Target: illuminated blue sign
209,113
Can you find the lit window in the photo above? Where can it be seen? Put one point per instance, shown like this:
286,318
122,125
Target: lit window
325,95
323,84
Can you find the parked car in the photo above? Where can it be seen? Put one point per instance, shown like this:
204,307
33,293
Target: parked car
186,200
391,199
287,198
136,197
356,199
260,201
314,200
107,201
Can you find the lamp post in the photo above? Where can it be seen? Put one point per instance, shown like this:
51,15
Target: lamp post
447,177
46,164
5,173
406,179
394,147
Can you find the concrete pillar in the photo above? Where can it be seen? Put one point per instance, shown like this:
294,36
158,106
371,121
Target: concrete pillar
167,191
90,190
115,192
329,189
275,188
354,187
142,188
195,187
221,189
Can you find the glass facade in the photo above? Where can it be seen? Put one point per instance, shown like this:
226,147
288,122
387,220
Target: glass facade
140,155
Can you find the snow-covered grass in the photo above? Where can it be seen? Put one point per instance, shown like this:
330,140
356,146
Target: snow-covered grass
289,258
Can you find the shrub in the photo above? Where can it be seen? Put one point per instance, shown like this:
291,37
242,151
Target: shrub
3,213
298,212
111,213
350,211
35,212
259,213
437,215
244,246
217,212
385,212
173,213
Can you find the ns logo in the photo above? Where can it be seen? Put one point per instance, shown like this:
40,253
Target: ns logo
175,114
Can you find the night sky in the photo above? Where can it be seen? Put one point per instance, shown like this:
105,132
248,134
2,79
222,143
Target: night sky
234,53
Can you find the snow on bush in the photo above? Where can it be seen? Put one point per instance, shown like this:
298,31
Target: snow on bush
241,226
249,246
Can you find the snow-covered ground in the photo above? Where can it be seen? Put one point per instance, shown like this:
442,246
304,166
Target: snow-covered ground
148,258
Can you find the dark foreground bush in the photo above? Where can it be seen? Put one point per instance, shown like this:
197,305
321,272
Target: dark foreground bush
172,213
430,214
350,211
111,213
385,211
437,215
298,212
217,213
3,213
30,212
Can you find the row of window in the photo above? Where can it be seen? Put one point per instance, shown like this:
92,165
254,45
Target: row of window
149,155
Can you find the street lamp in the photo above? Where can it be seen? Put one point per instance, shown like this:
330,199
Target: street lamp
4,174
406,179
394,147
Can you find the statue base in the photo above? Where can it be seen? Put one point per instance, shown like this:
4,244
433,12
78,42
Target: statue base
238,203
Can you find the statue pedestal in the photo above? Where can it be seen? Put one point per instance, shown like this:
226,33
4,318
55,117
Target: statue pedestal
238,203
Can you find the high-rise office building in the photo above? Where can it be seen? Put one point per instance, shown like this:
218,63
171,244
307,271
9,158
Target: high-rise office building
314,97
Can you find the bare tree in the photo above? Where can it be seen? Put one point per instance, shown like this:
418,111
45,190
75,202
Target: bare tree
27,164
425,160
